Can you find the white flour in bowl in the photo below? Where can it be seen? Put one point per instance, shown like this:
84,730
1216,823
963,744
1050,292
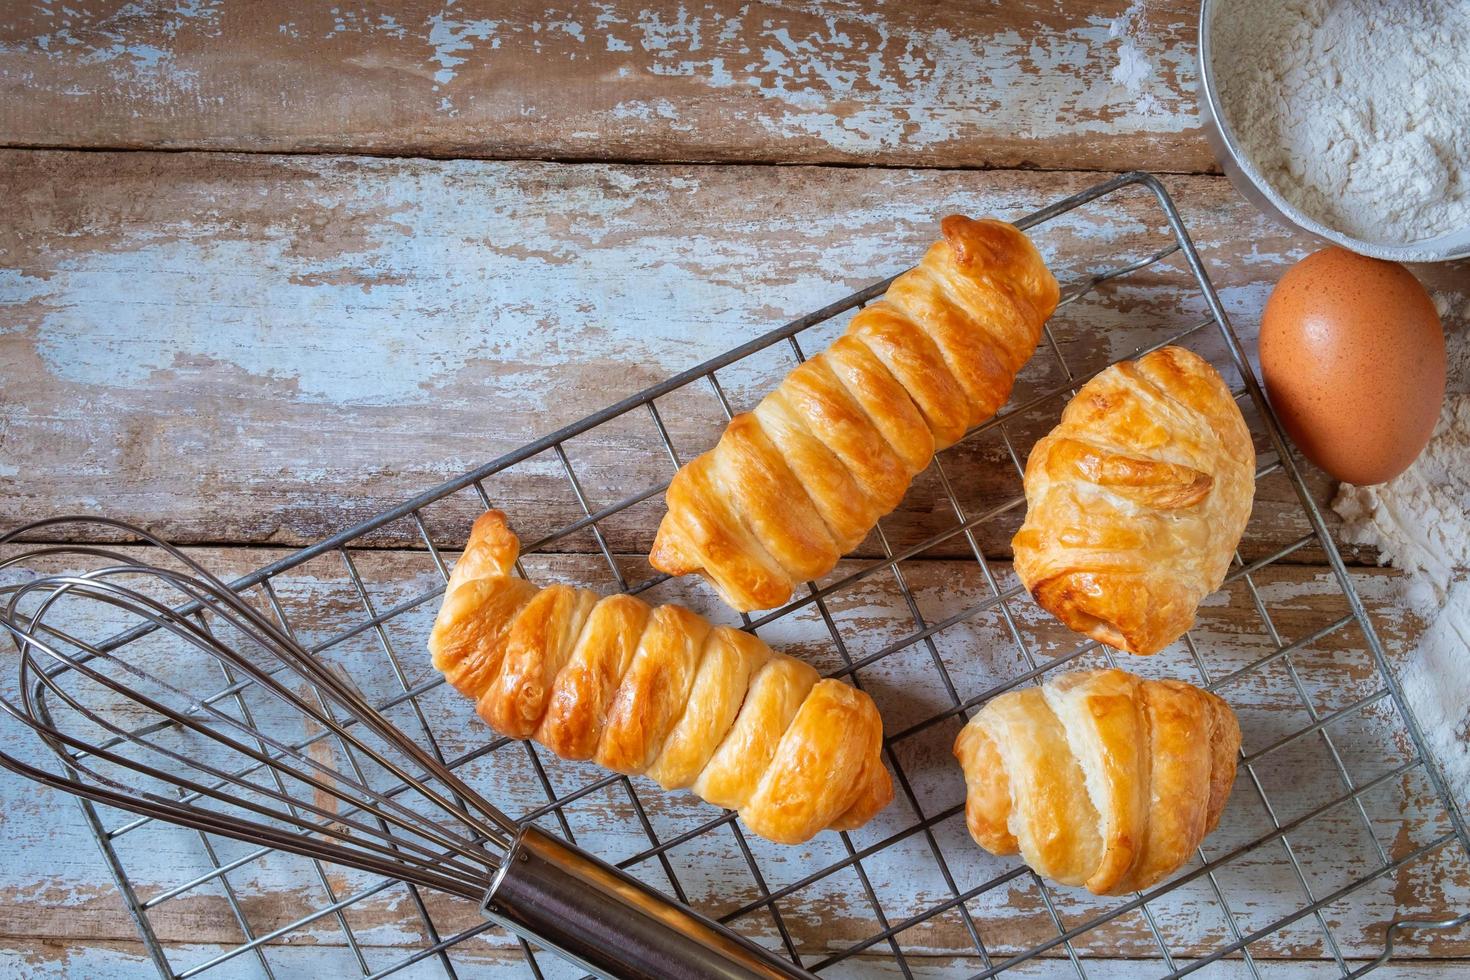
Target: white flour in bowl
1355,111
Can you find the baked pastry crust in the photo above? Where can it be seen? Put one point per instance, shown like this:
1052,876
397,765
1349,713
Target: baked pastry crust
658,692
1099,778
802,479
1136,501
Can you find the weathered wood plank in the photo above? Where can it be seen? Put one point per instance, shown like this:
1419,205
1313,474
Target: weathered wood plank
126,961
54,887
265,349
1092,85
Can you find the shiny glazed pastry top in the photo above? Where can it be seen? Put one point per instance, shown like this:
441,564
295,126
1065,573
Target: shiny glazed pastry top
661,692
1136,501
802,479
1099,778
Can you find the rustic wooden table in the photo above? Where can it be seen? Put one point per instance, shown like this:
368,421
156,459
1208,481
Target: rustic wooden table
268,268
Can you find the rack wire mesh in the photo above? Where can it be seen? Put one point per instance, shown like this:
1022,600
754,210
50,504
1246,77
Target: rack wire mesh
1337,804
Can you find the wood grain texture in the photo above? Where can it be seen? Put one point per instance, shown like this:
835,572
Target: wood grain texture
263,349
127,961
1092,85
51,888
266,349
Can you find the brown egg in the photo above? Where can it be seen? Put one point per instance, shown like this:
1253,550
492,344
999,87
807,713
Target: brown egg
1354,361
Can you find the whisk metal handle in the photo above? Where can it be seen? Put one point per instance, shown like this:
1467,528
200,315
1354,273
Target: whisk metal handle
613,925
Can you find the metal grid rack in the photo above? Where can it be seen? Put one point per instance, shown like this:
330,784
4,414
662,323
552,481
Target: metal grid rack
1349,804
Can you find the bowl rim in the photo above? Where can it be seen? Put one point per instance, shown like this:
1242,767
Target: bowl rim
1442,248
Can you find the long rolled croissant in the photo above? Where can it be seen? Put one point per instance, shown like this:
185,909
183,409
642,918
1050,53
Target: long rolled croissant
1136,501
661,692
800,481
1099,777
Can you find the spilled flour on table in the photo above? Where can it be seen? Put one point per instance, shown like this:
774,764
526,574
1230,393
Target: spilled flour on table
1134,71
1436,684
1420,522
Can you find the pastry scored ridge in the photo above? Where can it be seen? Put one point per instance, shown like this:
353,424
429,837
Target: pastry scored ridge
1099,778
801,480
1136,501
658,692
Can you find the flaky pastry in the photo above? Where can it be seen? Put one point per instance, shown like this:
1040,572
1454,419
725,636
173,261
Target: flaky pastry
801,480
659,692
1099,778
1136,501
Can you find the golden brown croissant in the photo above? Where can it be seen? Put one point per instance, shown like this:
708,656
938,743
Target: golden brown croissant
1136,501
1099,778
658,691
800,481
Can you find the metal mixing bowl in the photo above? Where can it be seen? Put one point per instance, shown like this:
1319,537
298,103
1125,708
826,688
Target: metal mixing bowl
1254,187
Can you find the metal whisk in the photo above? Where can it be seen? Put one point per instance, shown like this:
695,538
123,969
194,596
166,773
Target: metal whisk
111,662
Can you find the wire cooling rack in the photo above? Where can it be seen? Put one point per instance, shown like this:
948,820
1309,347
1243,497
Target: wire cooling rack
1336,804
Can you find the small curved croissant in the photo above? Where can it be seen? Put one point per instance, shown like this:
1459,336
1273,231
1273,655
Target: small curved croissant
1099,778
661,692
1136,501
800,481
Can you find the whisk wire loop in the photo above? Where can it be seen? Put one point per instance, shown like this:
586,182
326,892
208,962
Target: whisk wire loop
49,652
